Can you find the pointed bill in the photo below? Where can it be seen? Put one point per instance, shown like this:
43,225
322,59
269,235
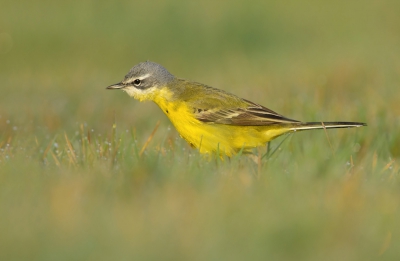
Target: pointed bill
119,85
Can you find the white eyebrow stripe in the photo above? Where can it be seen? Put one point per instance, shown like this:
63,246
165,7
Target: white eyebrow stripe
131,80
144,76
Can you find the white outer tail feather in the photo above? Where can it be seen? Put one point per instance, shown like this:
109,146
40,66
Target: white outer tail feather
325,125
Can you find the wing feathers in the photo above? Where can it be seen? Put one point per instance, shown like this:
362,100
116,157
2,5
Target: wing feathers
253,115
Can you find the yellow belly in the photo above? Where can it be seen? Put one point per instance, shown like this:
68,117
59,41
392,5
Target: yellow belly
209,137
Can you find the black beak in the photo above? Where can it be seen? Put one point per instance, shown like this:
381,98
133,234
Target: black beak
119,85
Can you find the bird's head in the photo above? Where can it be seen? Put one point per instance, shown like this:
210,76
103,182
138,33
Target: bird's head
144,81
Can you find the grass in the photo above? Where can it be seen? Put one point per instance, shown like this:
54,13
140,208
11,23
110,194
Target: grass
90,174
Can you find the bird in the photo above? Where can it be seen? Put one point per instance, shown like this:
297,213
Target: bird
210,119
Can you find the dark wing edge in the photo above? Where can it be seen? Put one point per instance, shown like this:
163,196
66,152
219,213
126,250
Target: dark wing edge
252,115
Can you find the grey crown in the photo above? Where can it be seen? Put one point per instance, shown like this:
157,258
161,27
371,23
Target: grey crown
159,76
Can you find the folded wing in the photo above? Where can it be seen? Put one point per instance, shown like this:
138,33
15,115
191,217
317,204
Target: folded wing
251,114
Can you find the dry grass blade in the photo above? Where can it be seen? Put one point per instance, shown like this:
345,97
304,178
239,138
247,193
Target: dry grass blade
387,166
327,137
71,155
47,150
149,139
350,171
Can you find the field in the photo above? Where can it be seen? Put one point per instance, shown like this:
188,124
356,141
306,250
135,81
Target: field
91,174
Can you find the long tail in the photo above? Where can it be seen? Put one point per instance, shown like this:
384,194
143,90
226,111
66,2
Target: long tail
325,125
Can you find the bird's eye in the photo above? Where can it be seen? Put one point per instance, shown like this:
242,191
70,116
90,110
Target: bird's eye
136,82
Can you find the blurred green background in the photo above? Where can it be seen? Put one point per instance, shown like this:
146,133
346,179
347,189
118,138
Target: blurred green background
74,184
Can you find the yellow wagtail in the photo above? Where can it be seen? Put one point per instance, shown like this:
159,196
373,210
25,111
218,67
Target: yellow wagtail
210,119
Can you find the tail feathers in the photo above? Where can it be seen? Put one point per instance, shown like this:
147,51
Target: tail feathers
325,125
